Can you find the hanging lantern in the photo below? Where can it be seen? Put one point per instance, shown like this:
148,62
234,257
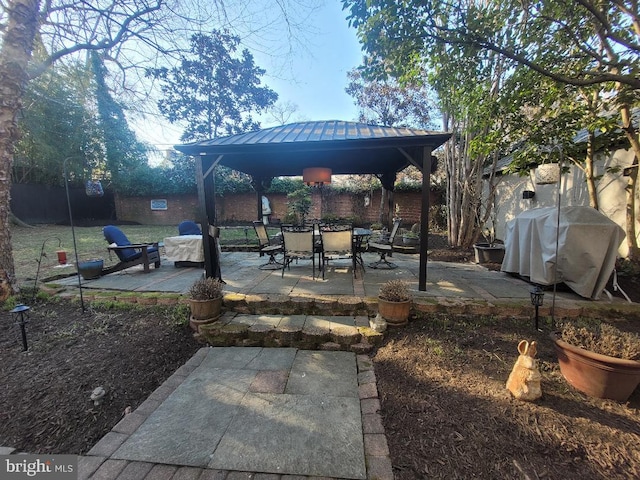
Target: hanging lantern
316,176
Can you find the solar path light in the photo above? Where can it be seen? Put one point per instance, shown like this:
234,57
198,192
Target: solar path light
537,298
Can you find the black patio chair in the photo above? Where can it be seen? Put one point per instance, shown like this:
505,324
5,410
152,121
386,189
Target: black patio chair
385,248
267,246
337,245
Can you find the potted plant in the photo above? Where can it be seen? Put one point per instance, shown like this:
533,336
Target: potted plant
205,301
394,302
299,204
410,238
90,269
599,360
491,250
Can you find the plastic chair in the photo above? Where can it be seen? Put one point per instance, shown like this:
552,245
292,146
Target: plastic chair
385,248
129,254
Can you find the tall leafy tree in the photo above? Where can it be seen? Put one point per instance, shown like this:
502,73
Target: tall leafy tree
582,43
469,86
57,125
123,151
215,90
579,121
387,102
64,28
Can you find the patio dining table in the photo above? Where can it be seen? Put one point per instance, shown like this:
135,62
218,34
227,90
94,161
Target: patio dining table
360,237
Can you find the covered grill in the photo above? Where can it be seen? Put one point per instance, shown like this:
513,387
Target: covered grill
587,240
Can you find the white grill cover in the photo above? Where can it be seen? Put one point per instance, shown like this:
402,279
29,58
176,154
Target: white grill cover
587,247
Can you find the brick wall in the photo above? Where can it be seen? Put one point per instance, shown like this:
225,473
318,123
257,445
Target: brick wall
242,208
138,209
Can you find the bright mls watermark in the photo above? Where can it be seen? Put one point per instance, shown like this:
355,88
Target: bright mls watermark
49,467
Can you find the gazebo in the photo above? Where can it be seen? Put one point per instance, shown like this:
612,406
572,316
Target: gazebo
335,146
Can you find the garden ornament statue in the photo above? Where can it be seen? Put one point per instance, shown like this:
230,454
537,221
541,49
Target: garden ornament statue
524,380
97,396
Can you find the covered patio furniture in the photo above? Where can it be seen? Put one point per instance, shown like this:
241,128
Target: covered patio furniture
298,244
267,247
129,254
384,248
587,246
337,245
185,250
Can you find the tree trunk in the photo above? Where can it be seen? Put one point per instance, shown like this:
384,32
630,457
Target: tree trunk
16,221
17,44
589,173
632,135
382,217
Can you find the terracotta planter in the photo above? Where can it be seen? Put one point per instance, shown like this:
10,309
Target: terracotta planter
395,313
597,375
196,324
204,309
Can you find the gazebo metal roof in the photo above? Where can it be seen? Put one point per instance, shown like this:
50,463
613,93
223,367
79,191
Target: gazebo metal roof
345,147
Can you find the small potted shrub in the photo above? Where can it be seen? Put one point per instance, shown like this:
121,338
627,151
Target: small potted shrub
410,238
599,360
394,302
205,301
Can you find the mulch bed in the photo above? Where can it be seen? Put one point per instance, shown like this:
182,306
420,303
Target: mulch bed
448,414
441,380
44,400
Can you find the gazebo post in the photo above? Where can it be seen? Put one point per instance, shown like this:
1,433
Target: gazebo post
205,169
424,217
259,192
391,211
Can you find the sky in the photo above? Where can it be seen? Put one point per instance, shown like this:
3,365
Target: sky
313,76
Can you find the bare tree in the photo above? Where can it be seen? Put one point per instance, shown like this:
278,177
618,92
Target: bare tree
131,34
